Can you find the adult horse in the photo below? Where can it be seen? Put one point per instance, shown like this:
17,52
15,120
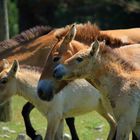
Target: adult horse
116,77
31,46
63,50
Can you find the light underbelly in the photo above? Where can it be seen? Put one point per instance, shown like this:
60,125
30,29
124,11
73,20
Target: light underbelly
76,112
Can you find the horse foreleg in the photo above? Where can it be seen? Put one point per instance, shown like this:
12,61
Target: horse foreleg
27,108
112,125
126,122
53,124
103,112
70,123
60,129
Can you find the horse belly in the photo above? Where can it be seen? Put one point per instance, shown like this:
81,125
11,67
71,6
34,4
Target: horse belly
78,110
80,97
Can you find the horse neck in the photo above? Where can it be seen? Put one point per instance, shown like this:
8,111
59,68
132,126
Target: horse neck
109,73
26,84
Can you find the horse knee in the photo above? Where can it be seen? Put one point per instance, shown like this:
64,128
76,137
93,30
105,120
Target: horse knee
27,109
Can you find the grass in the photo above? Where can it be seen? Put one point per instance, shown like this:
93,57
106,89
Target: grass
87,125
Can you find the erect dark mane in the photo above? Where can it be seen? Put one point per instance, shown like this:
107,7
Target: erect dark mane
112,42
25,36
87,33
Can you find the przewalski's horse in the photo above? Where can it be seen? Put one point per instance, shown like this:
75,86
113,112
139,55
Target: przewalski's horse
117,78
46,41
68,103
124,36
63,50
31,46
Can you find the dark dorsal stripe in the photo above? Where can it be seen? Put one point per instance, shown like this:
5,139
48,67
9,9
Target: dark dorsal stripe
25,36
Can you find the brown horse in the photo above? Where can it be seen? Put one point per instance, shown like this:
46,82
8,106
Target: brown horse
33,45
63,50
116,77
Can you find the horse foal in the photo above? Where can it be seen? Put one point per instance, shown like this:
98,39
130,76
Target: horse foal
67,103
115,76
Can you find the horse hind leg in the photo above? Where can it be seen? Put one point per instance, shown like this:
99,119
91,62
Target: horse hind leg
136,132
126,123
71,125
134,137
27,108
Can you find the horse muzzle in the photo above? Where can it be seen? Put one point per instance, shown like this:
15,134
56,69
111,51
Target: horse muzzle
59,72
45,90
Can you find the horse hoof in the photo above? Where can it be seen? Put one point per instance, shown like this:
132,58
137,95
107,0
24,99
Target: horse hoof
38,137
66,137
21,136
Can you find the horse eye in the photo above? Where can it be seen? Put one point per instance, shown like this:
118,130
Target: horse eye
3,80
79,59
56,59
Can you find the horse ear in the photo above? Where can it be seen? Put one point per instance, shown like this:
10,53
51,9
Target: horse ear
95,47
70,35
14,68
5,63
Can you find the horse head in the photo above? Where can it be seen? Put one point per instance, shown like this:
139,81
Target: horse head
7,80
62,50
